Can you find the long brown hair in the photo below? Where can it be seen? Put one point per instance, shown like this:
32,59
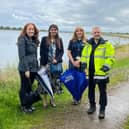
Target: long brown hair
57,38
74,38
36,34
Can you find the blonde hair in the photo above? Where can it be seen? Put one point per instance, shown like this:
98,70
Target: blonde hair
74,38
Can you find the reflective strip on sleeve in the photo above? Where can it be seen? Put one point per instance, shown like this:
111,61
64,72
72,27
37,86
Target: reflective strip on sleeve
98,77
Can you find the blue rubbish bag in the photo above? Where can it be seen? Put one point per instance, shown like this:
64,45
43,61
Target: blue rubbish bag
75,82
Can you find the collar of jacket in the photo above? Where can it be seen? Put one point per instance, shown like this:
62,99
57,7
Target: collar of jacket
28,38
101,41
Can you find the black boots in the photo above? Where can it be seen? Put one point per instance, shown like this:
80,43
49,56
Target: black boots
92,109
101,114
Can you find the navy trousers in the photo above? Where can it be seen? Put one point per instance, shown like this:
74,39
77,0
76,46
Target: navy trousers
102,91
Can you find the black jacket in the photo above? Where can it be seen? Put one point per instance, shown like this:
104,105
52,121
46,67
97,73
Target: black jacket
27,52
44,48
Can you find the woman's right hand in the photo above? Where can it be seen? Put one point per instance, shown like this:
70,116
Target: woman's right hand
54,61
27,74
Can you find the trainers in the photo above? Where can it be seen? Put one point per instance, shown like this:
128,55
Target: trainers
26,109
33,108
91,110
101,114
75,102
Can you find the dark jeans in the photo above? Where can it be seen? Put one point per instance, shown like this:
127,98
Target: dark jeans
27,96
102,90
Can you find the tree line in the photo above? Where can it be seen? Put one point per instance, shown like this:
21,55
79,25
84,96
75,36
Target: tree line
9,28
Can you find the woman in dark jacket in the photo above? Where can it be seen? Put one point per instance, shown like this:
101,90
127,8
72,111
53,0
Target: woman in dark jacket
51,52
28,65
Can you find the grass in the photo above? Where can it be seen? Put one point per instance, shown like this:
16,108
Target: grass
12,118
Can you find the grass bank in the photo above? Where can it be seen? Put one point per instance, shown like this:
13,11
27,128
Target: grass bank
12,118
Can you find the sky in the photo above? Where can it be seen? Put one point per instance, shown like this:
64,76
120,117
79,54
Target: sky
110,15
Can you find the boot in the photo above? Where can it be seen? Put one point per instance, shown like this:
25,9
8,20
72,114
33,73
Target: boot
92,109
52,102
101,114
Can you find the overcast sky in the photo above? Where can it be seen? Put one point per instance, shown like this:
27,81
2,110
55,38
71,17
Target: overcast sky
111,15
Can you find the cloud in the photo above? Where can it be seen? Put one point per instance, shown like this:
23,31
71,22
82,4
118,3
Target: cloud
124,12
110,19
87,2
19,17
67,14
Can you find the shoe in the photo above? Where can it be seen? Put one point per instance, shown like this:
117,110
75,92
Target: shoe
52,103
101,114
45,106
75,102
33,108
91,110
26,109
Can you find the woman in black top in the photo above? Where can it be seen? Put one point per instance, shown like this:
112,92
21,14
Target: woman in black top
75,47
51,52
28,65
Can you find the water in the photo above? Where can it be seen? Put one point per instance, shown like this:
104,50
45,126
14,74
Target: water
8,47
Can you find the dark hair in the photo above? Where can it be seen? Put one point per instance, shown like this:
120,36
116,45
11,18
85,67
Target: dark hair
57,38
36,34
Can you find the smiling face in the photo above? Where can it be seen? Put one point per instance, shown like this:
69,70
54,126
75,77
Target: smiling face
30,31
53,31
96,32
79,33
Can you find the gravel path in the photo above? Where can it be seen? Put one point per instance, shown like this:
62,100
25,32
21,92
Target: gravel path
76,117
116,112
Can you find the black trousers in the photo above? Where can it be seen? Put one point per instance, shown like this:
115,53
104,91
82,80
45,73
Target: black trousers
27,96
102,91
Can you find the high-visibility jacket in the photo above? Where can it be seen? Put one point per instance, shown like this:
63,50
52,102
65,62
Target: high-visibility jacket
103,55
